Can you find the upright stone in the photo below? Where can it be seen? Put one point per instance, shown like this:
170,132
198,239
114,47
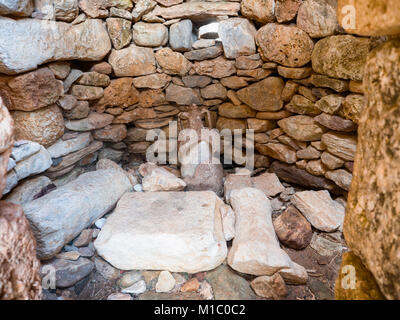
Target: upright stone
181,35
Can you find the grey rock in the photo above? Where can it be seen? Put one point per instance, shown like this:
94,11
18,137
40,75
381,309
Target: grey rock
181,35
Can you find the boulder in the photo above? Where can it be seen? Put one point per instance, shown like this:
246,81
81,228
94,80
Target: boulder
28,190
283,44
78,204
132,61
173,63
87,41
319,209
44,126
31,91
150,34
160,179
18,8
19,266
198,10
255,248
120,32
302,128
181,36
134,235
264,95
341,56
258,10
237,36
371,221
271,287
318,18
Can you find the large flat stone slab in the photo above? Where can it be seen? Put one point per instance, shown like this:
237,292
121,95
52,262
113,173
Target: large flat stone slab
60,216
27,43
174,231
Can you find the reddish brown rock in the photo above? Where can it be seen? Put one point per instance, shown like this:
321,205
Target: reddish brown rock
192,285
31,91
259,10
259,125
234,82
150,98
270,287
286,45
226,123
87,92
136,114
286,10
173,62
277,151
264,95
302,128
335,123
19,267
120,93
102,67
111,133
215,68
45,125
152,81
230,110
292,229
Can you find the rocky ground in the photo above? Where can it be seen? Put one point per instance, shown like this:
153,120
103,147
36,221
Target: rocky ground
83,275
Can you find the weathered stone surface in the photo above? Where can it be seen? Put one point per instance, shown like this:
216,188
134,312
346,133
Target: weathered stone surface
336,123
278,151
330,104
198,10
302,128
132,61
255,248
150,34
341,56
286,10
319,209
371,18
68,272
249,62
205,53
264,95
234,82
341,145
60,69
31,91
291,174
66,10
294,73
338,85
341,177
58,41
87,92
93,121
196,81
152,81
293,229
181,36
19,8
141,8
98,8
19,267
111,133
190,217
318,18
258,10
173,62
365,287
215,68
102,67
27,190
120,93
213,91
63,147
237,36
268,183
160,179
308,153
43,126
286,45
301,105
353,106
271,287
78,204
330,161
182,95
259,125
120,32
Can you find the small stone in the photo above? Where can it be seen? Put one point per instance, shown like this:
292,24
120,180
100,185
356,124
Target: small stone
325,247
181,36
292,229
129,278
84,238
270,287
319,209
119,296
136,289
105,269
268,183
165,282
302,128
100,222
150,34
206,291
69,255
192,285
341,177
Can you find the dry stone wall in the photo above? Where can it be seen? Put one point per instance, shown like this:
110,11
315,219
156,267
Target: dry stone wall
86,80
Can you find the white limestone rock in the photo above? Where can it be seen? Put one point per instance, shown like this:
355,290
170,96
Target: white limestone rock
78,205
174,231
